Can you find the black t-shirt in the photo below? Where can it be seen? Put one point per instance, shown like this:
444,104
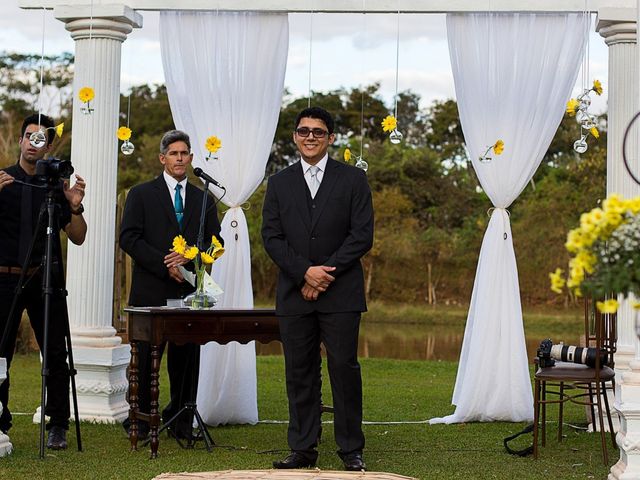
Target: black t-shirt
11,218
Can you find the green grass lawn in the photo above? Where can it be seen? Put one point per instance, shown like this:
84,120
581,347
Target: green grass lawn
394,390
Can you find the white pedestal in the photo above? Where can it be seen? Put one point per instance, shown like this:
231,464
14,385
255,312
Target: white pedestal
5,443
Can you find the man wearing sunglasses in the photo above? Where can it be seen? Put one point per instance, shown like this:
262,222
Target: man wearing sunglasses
317,225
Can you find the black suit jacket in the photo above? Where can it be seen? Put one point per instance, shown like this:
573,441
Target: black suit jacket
336,231
148,228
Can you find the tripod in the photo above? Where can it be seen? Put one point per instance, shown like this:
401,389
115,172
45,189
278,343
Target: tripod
48,291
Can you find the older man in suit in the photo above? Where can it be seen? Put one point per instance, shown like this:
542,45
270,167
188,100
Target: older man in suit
154,214
317,224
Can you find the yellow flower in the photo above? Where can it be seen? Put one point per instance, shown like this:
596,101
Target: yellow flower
572,107
217,252
123,133
498,147
608,306
389,123
347,155
179,244
86,94
212,144
594,131
597,87
60,129
206,258
557,281
215,242
191,253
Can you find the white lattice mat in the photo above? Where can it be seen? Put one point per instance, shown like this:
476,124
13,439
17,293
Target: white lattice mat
281,475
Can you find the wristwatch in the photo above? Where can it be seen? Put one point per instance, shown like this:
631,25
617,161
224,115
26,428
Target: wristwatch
78,211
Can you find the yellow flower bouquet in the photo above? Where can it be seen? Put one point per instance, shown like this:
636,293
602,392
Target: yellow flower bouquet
605,253
200,259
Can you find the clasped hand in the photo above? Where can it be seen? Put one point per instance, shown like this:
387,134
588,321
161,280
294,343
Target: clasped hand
172,260
317,280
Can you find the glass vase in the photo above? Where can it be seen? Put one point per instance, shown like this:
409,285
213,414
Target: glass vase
200,299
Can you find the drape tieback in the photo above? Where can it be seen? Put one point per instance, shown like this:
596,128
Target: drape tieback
234,223
505,218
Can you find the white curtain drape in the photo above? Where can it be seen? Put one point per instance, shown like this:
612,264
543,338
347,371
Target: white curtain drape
513,74
225,77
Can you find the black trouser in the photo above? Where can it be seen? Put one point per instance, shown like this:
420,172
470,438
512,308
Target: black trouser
32,300
301,337
183,363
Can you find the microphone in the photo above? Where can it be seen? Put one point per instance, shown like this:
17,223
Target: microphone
198,172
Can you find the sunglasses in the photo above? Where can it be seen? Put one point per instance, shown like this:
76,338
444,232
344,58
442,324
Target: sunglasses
317,132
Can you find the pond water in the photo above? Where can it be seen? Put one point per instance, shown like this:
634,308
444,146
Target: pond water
417,342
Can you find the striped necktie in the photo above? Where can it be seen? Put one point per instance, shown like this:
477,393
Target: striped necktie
314,183
178,206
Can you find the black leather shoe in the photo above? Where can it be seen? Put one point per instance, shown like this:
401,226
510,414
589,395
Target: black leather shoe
57,439
354,463
294,460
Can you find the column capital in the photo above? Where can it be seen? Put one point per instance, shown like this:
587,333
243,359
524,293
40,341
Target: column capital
102,21
617,25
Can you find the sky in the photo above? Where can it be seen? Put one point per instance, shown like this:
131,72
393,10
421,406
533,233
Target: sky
347,50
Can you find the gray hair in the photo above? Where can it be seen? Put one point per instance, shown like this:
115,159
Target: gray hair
173,136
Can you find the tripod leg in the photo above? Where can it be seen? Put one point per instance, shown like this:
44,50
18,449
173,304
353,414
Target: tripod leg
202,428
60,281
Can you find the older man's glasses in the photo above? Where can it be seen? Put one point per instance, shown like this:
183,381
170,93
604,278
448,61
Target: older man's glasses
316,132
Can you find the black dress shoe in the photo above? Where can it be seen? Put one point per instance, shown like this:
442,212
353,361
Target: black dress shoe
57,439
354,463
294,460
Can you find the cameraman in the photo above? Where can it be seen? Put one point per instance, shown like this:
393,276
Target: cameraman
19,210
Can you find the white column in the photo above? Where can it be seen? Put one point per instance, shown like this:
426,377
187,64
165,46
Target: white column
618,28
99,356
5,443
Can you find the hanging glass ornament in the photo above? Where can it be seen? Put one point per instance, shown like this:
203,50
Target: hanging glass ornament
362,164
395,137
38,139
485,159
581,116
127,147
580,146
585,100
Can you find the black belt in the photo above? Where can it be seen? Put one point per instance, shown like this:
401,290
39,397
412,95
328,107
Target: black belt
18,270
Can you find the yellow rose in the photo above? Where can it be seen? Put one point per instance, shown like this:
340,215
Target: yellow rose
594,131
191,253
123,133
389,123
347,155
213,144
86,94
60,129
498,147
572,107
597,87
608,306
179,244
557,281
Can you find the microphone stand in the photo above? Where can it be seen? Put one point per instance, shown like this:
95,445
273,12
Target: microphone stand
190,406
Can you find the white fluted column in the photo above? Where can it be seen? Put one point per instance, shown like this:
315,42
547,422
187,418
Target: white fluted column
618,28
99,356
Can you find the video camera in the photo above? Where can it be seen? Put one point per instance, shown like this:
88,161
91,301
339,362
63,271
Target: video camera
548,353
52,170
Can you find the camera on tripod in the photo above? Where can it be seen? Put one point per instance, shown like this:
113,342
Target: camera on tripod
548,353
52,170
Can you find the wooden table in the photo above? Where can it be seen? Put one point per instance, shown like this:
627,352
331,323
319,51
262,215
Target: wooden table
157,325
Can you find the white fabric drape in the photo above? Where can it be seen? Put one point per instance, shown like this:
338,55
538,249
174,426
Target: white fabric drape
513,75
225,77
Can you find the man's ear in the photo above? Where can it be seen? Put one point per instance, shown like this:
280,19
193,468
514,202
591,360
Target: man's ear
161,158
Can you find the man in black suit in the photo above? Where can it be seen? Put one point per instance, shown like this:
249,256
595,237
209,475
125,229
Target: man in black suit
154,214
317,224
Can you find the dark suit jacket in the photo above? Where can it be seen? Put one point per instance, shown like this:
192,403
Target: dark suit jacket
148,228
338,233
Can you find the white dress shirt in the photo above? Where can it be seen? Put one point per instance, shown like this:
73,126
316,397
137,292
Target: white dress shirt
306,170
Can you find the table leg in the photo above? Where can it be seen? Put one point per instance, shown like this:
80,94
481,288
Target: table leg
133,396
154,419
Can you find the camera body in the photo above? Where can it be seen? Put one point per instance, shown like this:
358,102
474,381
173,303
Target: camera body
52,170
548,353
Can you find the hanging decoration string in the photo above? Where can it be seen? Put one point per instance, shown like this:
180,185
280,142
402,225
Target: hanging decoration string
38,138
360,162
310,55
395,109
87,93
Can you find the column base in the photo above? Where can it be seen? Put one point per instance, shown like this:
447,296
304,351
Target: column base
101,384
5,444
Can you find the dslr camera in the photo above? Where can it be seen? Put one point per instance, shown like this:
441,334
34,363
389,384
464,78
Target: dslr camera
51,170
548,353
